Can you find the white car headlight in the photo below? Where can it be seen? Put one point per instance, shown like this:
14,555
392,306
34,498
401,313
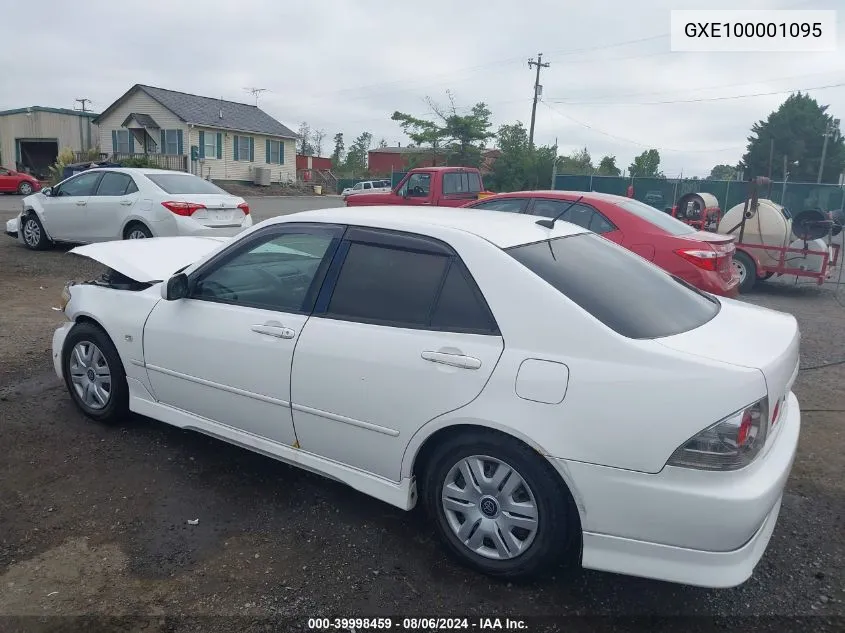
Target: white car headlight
730,444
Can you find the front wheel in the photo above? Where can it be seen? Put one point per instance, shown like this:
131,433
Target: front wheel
747,271
33,233
497,505
25,188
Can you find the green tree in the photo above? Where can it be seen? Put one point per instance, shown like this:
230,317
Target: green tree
797,128
607,167
338,152
578,163
423,133
646,165
519,167
356,158
723,172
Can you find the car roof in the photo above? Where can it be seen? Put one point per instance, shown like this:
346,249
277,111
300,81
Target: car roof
502,229
563,195
141,170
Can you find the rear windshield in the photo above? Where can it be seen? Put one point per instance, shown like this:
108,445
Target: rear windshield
625,292
655,216
176,183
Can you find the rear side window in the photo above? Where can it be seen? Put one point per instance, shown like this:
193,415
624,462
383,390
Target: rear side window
508,205
403,288
663,220
184,184
620,289
114,184
461,182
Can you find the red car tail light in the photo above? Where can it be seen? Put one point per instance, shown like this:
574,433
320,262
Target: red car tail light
185,209
704,259
243,206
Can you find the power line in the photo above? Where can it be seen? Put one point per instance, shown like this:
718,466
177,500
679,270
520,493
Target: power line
537,89
700,100
637,143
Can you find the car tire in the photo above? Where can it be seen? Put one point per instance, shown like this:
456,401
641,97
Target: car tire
136,231
540,488
747,270
766,276
94,374
25,188
33,233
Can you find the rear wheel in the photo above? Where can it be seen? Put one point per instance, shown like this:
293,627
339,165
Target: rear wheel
136,231
497,505
25,188
746,269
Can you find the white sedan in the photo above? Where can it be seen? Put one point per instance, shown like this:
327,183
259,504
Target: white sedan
541,390
114,203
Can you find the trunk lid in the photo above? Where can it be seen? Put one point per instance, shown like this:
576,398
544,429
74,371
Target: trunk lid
722,244
749,336
153,259
220,210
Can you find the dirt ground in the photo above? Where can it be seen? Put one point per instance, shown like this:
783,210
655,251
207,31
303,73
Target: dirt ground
94,520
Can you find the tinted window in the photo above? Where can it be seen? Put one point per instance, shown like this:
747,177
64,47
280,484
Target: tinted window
275,274
461,182
577,214
600,224
660,219
619,288
388,285
187,184
417,186
508,205
114,184
460,307
82,185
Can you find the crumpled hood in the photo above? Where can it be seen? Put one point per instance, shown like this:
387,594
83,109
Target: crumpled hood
152,259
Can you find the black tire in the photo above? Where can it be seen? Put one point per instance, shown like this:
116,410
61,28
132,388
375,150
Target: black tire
117,405
136,228
749,279
766,276
25,188
33,233
557,526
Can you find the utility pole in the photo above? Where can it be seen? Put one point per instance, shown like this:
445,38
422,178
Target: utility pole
831,130
771,156
82,102
255,92
537,88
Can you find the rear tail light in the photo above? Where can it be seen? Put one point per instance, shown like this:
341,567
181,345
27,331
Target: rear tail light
243,206
185,209
729,444
704,259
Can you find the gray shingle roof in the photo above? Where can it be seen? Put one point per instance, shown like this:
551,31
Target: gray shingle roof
144,120
205,111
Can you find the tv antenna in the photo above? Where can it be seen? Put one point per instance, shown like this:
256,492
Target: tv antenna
256,92
83,101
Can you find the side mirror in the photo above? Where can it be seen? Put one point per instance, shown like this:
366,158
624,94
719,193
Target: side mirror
175,288
47,191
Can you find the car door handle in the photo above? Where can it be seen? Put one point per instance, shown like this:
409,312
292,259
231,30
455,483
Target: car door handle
126,203
274,330
454,360
81,203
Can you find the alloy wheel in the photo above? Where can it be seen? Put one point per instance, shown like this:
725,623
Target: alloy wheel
136,234
90,375
31,232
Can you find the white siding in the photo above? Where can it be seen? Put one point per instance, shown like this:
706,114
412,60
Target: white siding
141,103
69,130
227,168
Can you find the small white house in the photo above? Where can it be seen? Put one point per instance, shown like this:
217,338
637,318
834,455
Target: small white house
229,140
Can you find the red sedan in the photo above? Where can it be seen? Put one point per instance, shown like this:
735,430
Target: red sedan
699,258
17,182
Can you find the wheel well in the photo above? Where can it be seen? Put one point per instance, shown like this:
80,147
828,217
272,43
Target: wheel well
86,319
132,223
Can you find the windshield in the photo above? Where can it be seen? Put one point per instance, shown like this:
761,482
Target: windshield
658,218
184,184
622,290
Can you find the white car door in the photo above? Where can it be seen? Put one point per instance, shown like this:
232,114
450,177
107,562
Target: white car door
225,352
110,205
399,336
64,211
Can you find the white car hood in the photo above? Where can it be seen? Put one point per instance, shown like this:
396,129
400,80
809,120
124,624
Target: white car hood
152,259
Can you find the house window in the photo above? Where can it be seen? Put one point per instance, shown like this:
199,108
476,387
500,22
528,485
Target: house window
210,145
276,152
242,148
171,142
122,142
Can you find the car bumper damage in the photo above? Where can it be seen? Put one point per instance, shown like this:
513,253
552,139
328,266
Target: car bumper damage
694,527
12,227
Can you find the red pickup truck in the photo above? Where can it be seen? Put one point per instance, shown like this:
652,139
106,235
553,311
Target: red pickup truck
433,186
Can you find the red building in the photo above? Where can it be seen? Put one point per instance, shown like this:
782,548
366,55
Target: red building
312,162
384,160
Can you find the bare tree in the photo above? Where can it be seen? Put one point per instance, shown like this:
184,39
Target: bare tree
317,137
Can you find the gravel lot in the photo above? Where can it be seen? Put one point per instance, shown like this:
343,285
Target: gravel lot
93,520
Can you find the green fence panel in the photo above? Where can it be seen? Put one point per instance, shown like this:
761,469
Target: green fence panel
662,192
398,176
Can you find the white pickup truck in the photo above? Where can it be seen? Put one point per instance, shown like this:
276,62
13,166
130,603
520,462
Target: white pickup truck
367,186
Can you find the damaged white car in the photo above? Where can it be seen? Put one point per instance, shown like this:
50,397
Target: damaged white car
542,390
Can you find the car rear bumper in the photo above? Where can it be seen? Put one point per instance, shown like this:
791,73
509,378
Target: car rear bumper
190,227
714,283
685,525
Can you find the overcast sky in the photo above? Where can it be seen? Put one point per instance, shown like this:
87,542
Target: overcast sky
346,65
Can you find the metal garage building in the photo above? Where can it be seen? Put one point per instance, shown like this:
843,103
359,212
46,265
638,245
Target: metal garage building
30,138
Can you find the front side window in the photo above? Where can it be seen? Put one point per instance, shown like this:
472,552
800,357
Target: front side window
115,184
417,186
122,141
622,290
275,274
81,185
